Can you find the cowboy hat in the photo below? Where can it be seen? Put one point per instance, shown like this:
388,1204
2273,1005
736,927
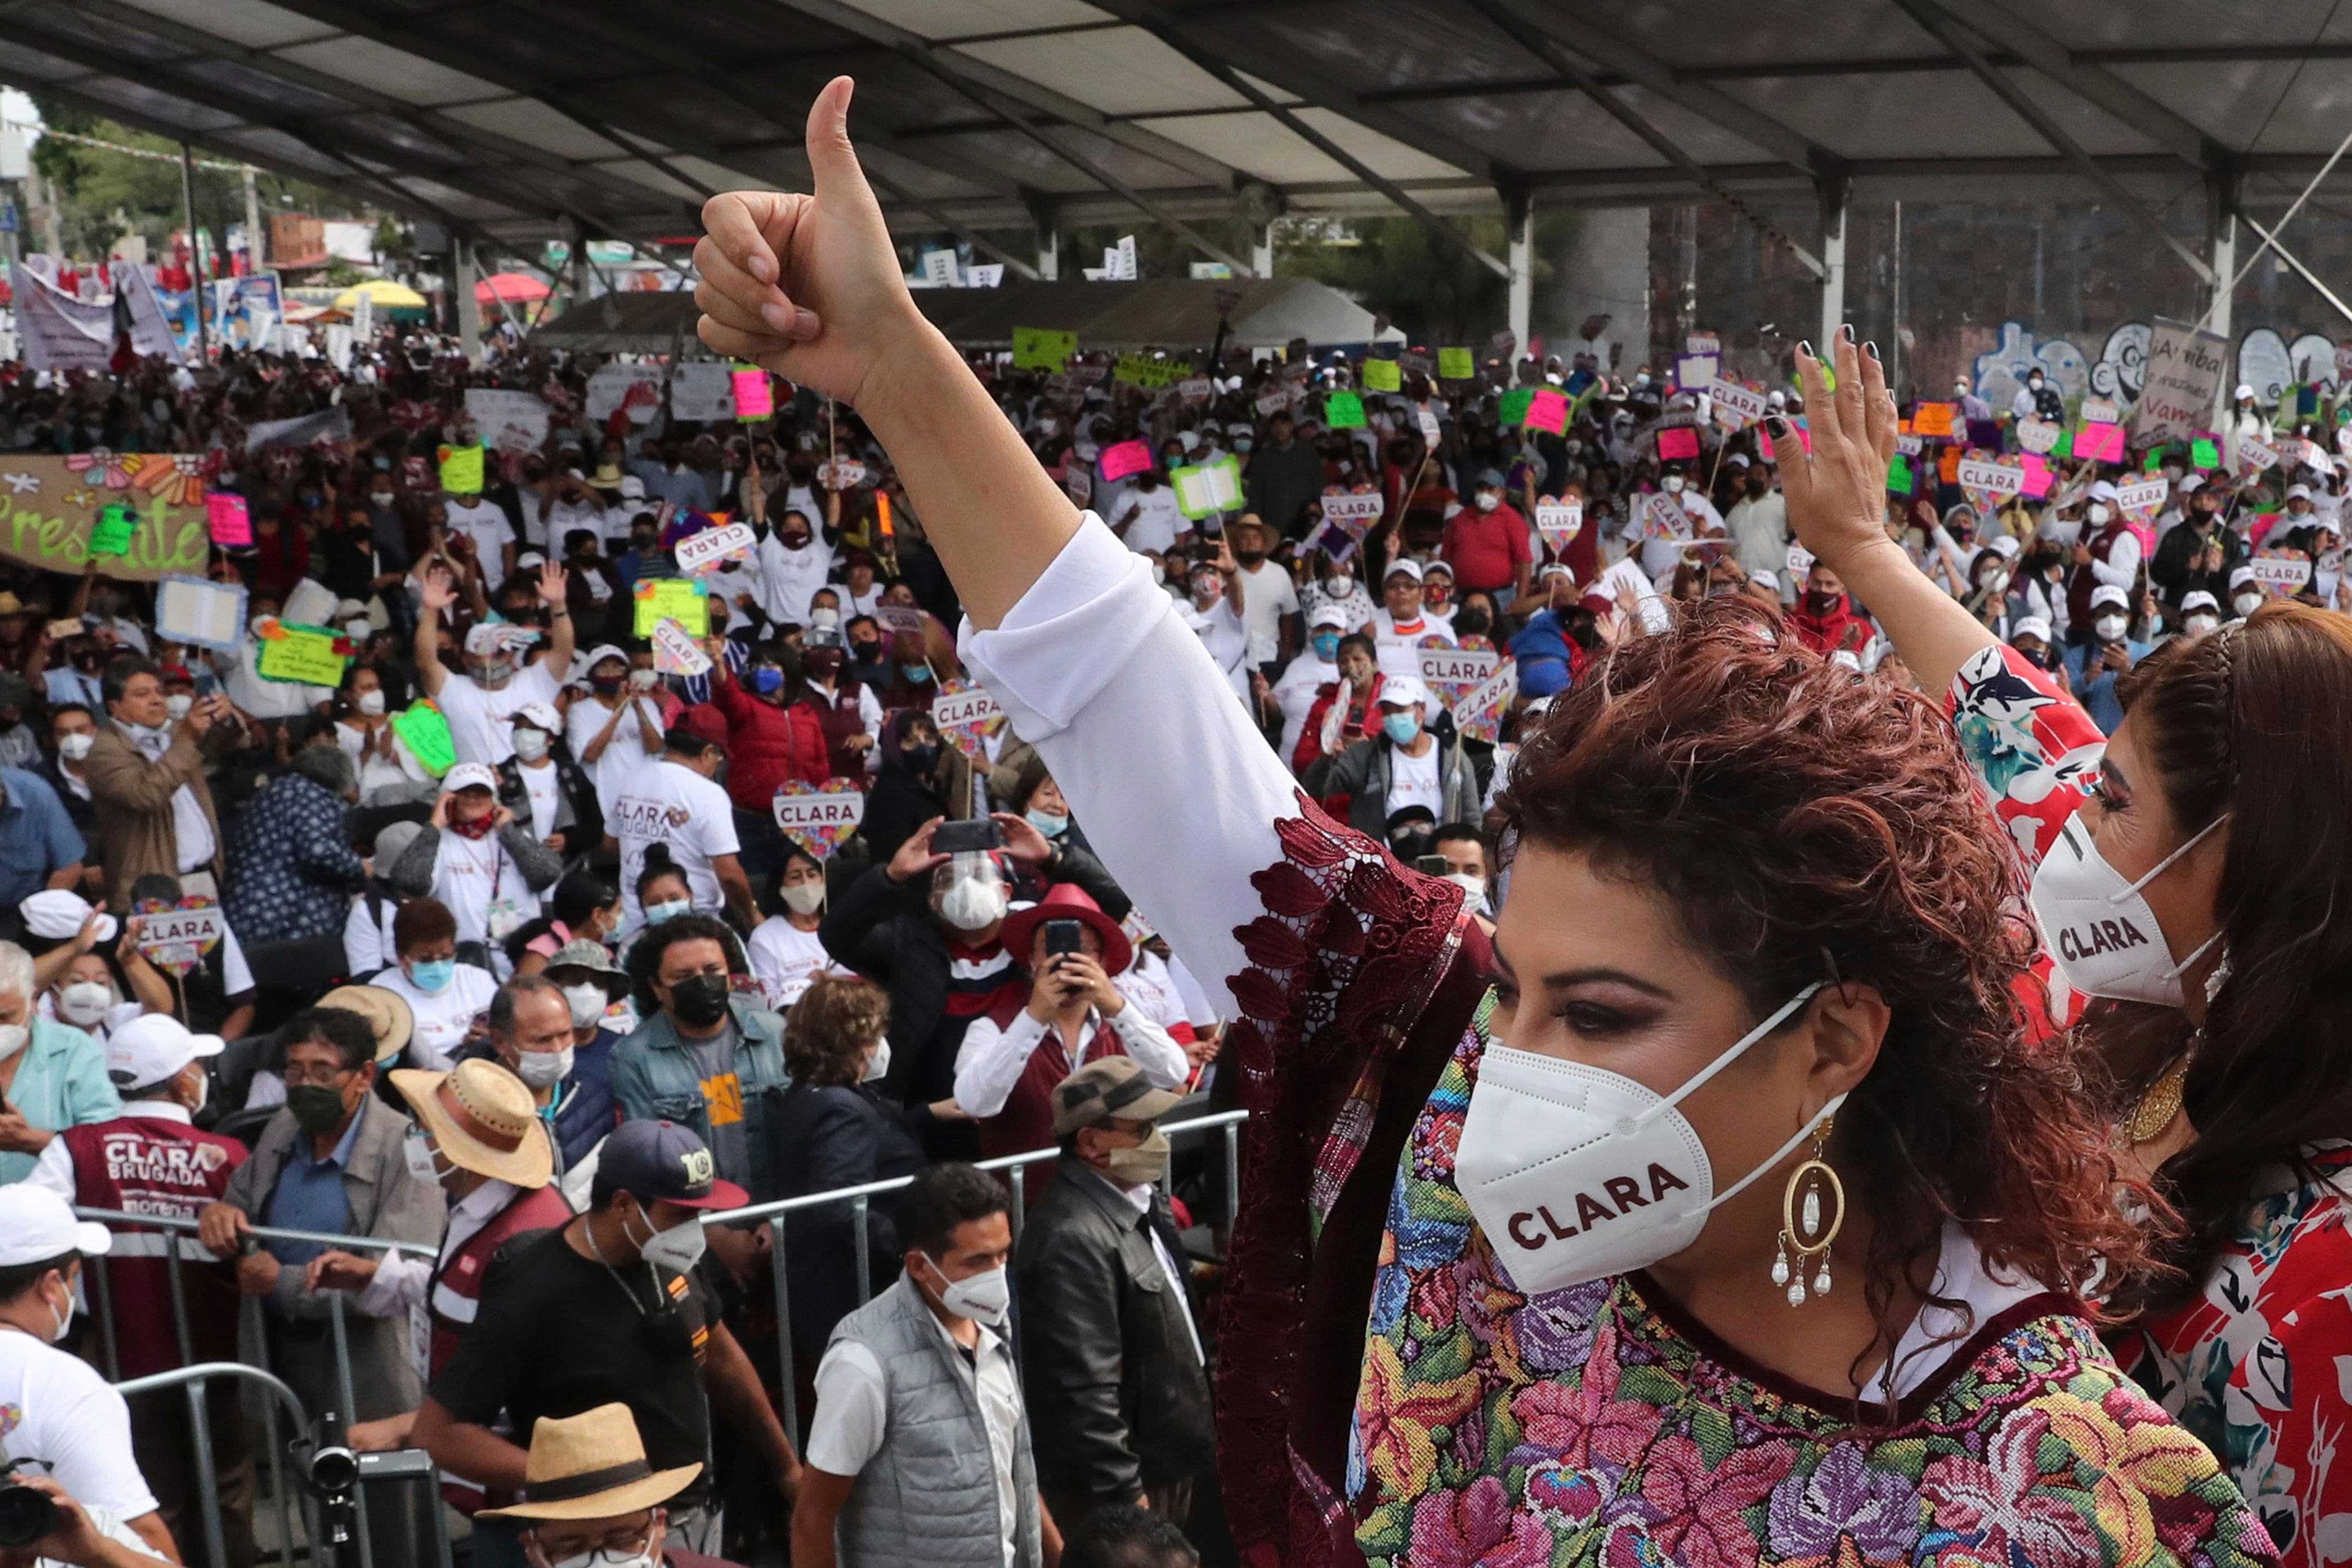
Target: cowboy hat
483,1118
1069,902
591,1466
389,1018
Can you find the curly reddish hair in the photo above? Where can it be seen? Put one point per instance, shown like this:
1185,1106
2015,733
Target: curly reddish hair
1810,825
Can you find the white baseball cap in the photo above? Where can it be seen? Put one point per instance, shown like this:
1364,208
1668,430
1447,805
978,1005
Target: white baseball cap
1405,564
2030,627
2103,491
2189,484
57,913
2244,391
2108,594
2299,492
465,775
36,1225
1770,579
2004,545
2241,574
152,1048
1327,616
1403,691
2199,600
632,487
539,715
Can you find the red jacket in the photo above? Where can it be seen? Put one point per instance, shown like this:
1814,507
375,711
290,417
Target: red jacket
1825,634
767,745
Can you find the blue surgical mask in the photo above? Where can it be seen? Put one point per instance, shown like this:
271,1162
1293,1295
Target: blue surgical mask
433,975
767,681
1400,726
668,910
916,673
1327,645
1047,823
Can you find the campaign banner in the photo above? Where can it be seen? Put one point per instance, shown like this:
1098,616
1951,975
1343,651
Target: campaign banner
1478,712
1559,522
712,547
50,506
2183,376
676,652
509,421
702,389
818,817
609,391
176,938
2143,500
2283,576
1735,407
967,715
2000,480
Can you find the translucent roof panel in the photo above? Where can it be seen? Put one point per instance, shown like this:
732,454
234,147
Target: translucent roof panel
979,18
252,23
1120,70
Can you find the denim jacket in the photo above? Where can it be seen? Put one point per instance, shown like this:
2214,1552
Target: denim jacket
653,1077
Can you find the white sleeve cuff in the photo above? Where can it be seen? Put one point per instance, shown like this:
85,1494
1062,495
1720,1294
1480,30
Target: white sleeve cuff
1069,634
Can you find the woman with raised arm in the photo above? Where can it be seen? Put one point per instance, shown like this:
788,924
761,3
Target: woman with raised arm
2190,879
1733,1223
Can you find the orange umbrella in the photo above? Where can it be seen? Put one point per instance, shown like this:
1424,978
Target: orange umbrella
511,287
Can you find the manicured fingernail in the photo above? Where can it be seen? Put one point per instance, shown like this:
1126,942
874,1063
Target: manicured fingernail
804,324
1845,333
1871,348
1806,348
777,316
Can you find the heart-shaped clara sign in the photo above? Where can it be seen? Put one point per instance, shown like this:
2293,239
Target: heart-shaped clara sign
967,715
818,818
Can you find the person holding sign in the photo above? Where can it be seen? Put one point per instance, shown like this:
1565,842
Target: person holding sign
616,728
2107,554
481,863
1404,765
480,704
1403,622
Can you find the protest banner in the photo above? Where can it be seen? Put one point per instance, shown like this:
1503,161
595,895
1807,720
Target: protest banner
680,599
1042,348
50,506
755,394
177,937
507,421
227,516
966,715
2142,499
713,547
702,389
1126,458
1478,713
818,818
425,731
1549,412
1559,522
676,652
2183,374
461,471
1207,489
306,656
200,612
1151,375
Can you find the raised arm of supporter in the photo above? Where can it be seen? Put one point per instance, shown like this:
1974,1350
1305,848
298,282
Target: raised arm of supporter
554,581
440,593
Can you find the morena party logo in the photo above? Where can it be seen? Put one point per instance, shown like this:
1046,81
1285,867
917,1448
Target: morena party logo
1625,1192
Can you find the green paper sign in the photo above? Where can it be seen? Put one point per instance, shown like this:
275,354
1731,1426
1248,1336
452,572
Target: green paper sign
426,735
2066,447
2204,453
1456,364
1898,476
113,533
1206,490
1041,348
1384,376
1343,411
2155,459
678,599
305,655
1512,407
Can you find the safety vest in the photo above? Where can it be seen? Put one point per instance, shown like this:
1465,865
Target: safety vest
152,1165
453,1295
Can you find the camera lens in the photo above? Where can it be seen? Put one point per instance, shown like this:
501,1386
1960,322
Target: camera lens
26,1515
334,1470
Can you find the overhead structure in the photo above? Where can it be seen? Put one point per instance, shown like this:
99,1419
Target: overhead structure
1007,123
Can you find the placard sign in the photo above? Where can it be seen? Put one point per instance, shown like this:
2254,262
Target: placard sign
2038,434
1735,407
1126,458
680,599
231,523
2142,501
2100,411
2254,457
1206,490
2283,576
713,547
840,474
1559,522
178,937
896,618
200,612
966,714
819,817
2184,370
305,655
1352,512
1800,562
1458,666
1478,713
676,652
1999,480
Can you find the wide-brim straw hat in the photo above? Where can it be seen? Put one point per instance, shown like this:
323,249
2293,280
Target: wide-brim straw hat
484,1119
591,1466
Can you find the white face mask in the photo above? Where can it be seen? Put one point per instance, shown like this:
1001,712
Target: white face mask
371,702
1674,484
1338,585
2110,628
2098,515
2062,530
824,616
358,631
600,1558
84,1002
973,903
677,1249
12,1039
805,898
529,744
588,1003
878,1064
63,1320
643,679
1577,1174
2246,604
984,1297
2098,928
416,1151
176,706
1488,500
543,1069
74,747
2198,625
1996,583
1475,884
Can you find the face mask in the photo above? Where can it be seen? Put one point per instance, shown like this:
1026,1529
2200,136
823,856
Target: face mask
371,702
2098,927
84,1002
493,671
973,903
1821,604
74,747
667,909
1674,484
700,1002
176,706
2199,625
543,1070
643,679
920,758
1140,1166
316,1107
416,1150
1047,823
1327,645
431,976
1473,884
1488,500
12,1039
678,1248
2246,604
529,744
1159,574
63,1316
2110,628
878,1064
2097,514
805,898
1996,583
1577,1174
381,501
984,1298
824,616
606,685
916,674
1400,726
587,1003
600,1558
1338,585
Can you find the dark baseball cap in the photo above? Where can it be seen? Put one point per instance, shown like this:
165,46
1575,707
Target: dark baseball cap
663,1161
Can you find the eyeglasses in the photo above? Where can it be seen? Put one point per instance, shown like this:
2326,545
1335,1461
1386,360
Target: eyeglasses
619,1542
324,1078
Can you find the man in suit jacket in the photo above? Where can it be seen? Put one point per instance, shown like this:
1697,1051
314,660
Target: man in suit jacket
146,778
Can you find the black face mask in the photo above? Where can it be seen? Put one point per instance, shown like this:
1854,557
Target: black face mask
700,1002
641,541
1469,622
920,758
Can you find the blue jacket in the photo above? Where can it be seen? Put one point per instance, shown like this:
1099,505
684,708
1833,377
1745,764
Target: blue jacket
1540,649
585,1111
653,1077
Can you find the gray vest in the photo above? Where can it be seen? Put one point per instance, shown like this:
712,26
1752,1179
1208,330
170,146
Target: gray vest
928,1495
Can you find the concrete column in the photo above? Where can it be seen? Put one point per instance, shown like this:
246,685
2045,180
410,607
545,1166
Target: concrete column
1520,214
1049,255
469,314
1834,202
1262,249
257,248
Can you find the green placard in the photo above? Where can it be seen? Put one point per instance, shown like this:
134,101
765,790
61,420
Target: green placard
110,536
2204,453
1207,489
1343,411
1456,364
2153,460
305,655
1042,348
426,735
1384,376
2066,447
1511,408
1898,476
678,599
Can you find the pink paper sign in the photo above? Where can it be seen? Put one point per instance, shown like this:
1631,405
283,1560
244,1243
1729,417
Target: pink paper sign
1548,410
232,525
1681,441
2037,477
2100,443
1127,458
755,397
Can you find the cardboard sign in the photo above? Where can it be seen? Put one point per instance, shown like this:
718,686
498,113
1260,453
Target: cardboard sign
1548,411
1800,562
967,715
2183,373
818,817
1999,480
461,471
840,474
1042,348
1384,376
1932,419
1456,364
2038,436
1910,446
1735,407
1697,373
896,618
1208,489
1126,458
425,733
755,395
1478,713
2283,576
1463,667
1706,343
2099,411
1899,480
1559,522
178,937
227,516
1677,443
1511,408
2101,442
676,652
2142,501
713,547
116,527
302,655
200,612
1343,411
2039,477
509,421
1430,432
680,599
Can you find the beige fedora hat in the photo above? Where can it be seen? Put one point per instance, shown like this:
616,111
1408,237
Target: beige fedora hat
591,1466
484,1119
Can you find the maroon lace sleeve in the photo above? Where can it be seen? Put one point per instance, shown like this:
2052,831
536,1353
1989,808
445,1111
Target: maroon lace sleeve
1362,976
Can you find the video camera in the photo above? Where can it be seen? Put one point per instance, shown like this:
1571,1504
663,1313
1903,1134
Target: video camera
26,1515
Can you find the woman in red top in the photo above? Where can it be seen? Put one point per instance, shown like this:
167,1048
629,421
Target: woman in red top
775,734
1354,696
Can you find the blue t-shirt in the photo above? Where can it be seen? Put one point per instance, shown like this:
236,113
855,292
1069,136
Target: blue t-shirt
37,838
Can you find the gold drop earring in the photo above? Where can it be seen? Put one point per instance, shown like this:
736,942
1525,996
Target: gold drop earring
1804,1231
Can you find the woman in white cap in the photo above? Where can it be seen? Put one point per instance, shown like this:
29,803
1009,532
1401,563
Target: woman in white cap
481,863
77,981
2200,612
616,728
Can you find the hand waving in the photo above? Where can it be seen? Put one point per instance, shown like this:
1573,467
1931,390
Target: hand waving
806,286
1837,493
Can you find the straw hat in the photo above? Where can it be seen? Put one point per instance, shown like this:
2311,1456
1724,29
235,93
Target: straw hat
589,1465
483,1118
386,1011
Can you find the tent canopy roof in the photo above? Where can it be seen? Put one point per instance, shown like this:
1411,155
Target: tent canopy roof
521,120
1172,312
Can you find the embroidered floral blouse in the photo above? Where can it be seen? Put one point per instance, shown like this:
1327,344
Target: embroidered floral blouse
2260,1368
1383,1393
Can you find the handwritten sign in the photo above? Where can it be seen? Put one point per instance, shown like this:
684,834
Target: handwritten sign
2204,453
177,937
1548,411
226,515
2183,372
1458,666
302,655
2100,442
1998,480
1735,407
1151,375
1559,522
1384,376
680,599
1511,408
2142,501
1677,443
1932,419
1478,713
966,714
755,395
425,733
1042,348
117,525
1126,458
818,817
509,421
1456,364
461,471
50,505
2039,477
676,652
2283,576
1343,410
713,546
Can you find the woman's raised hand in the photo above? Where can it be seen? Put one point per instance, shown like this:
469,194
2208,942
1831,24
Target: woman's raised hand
1837,492
806,286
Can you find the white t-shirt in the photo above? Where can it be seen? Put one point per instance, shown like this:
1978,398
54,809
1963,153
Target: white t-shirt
624,753
400,767
486,523
1412,781
790,578
784,959
1157,520
666,802
463,871
1267,596
481,722
1295,694
1395,649
57,1409
1220,631
441,1021
544,784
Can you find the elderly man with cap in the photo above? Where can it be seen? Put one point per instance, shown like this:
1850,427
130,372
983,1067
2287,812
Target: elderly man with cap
613,1308
1012,1058
1403,624
480,704
591,1498
151,1160
1486,542
481,862
1110,1356
1404,765
62,1421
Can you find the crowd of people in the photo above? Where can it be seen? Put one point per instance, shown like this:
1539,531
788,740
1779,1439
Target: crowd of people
497,960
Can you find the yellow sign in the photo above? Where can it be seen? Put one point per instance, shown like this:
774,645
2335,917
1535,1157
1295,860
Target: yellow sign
1384,376
680,599
303,654
1456,364
461,471
1143,369
1041,348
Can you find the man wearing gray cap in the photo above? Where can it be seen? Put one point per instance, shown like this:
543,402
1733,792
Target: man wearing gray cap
1110,1358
